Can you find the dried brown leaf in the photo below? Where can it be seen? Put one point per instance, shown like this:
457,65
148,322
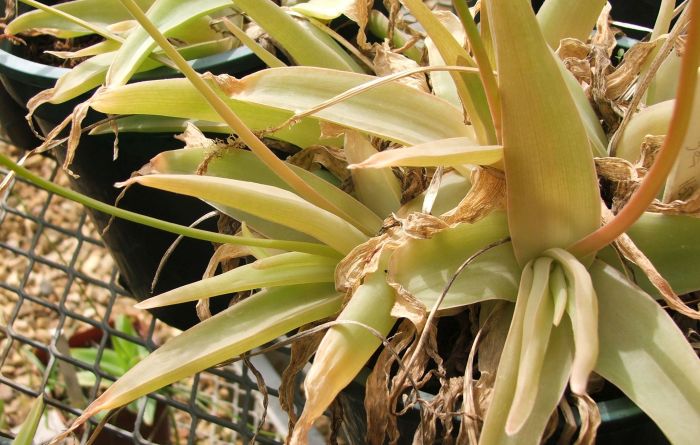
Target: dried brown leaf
388,62
488,193
620,80
590,419
315,157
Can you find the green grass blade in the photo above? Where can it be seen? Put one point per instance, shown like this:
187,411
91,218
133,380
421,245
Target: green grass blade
553,197
285,269
250,323
26,433
264,201
643,353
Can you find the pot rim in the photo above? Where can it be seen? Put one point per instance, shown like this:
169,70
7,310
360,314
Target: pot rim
45,76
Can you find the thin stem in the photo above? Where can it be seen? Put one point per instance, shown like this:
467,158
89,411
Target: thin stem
239,127
149,221
482,62
666,158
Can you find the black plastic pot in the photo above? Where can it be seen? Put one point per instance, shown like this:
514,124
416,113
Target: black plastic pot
137,249
622,422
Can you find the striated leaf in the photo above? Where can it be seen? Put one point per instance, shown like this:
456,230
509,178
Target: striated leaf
442,81
166,15
423,267
252,322
278,270
380,189
177,98
469,86
672,244
98,12
551,384
643,353
345,349
559,19
549,167
245,166
444,152
263,201
268,98
305,47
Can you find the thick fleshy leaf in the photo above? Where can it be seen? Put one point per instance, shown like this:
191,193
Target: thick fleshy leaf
379,189
444,152
549,167
306,48
652,120
672,243
550,385
250,323
178,98
97,12
441,81
560,19
166,15
268,98
469,86
424,267
453,188
91,73
325,9
263,201
245,166
643,353
346,348
279,270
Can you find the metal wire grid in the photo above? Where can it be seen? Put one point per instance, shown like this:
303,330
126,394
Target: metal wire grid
217,406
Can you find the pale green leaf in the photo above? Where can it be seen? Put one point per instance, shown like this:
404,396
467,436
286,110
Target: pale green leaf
268,98
469,86
549,167
560,19
424,267
279,270
252,322
644,354
534,340
672,243
99,12
652,120
110,362
158,124
684,177
380,189
304,46
442,82
178,98
245,166
444,152
166,15
263,201
346,348
324,9
453,188
550,386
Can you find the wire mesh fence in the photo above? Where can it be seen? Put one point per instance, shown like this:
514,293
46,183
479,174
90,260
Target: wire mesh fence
67,330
